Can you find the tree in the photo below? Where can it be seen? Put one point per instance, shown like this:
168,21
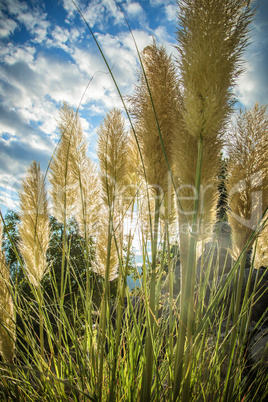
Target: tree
77,260
7,316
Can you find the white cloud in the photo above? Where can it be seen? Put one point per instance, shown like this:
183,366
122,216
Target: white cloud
100,11
59,37
70,7
7,202
142,39
40,31
134,9
159,3
172,12
14,7
36,24
12,54
95,110
253,83
75,35
49,124
122,60
7,26
163,38
34,20
58,78
252,86
135,12
85,124
88,62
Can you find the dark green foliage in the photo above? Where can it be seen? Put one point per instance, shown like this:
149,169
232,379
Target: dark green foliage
78,262
10,240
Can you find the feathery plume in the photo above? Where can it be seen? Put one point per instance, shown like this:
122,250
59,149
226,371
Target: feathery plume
154,110
112,154
212,35
7,316
161,77
133,178
66,163
89,202
247,178
34,223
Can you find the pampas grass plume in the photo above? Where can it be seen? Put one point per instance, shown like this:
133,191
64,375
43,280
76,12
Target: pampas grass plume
89,200
210,48
112,154
66,163
34,223
212,36
162,80
247,179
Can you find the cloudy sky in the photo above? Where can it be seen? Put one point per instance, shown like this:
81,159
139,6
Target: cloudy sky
47,55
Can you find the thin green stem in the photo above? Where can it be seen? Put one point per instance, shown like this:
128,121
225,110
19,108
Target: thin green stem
183,363
149,352
228,388
104,305
120,309
41,320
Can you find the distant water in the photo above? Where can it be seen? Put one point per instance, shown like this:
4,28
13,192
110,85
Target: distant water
132,284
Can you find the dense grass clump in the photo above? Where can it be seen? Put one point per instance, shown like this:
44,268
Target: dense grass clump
70,327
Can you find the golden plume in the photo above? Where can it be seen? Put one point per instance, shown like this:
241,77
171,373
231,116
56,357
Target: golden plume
247,179
89,202
66,164
212,35
34,223
133,178
112,155
7,316
162,80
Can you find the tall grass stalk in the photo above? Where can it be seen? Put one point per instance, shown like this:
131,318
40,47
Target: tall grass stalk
207,101
187,300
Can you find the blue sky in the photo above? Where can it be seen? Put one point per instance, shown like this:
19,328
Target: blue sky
47,55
